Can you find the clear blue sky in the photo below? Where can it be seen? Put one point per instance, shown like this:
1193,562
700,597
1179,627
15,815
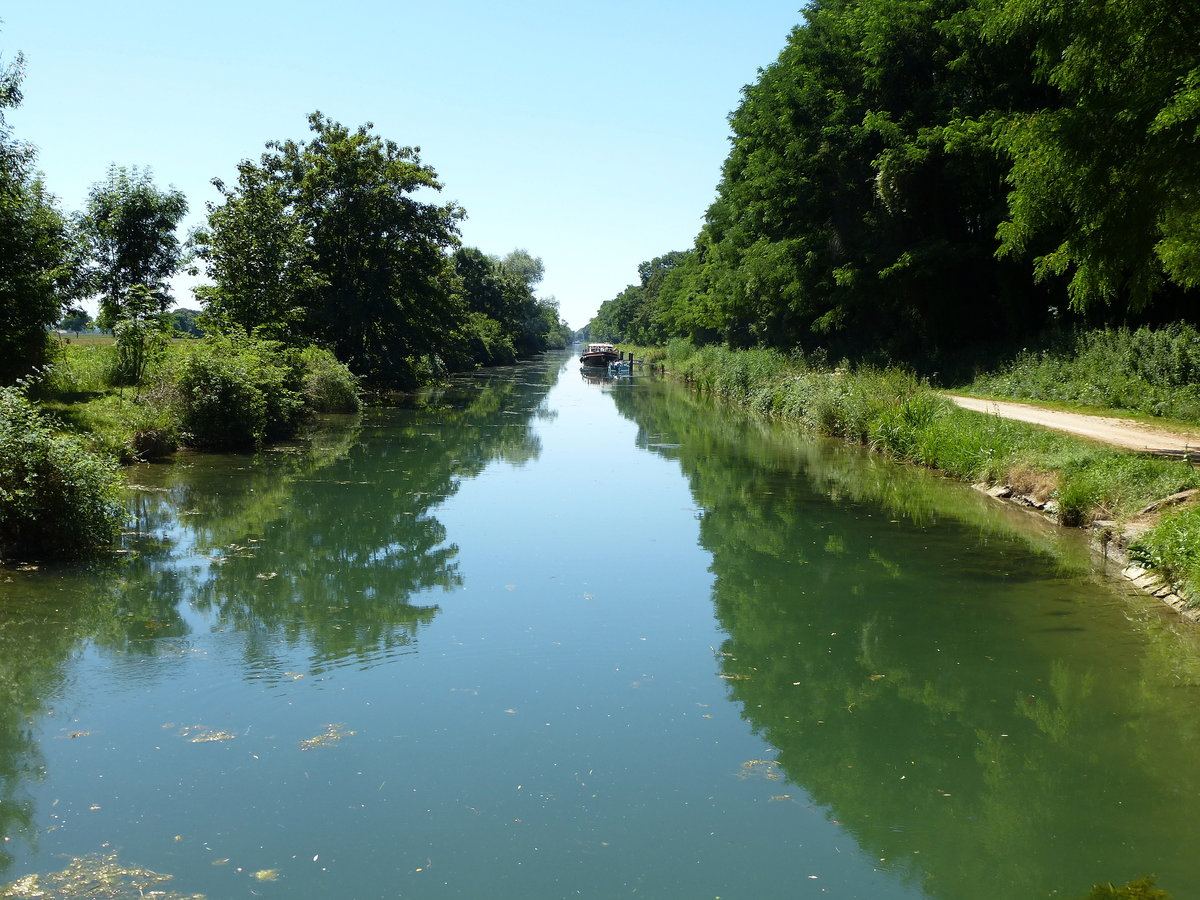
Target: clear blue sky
590,134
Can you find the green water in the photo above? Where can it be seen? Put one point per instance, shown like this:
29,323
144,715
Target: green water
536,636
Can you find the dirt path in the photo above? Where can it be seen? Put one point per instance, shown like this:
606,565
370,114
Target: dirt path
1117,432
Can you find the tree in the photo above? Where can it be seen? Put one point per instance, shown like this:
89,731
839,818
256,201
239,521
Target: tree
637,313
525,266
130,227
75,320
186,321
142,334
257,252
326,241
858,206
1106,178
39,260
491,288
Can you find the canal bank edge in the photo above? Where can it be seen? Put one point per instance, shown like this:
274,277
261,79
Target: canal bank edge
1110,541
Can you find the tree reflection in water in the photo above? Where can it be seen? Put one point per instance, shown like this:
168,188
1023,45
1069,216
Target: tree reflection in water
330,546
955,686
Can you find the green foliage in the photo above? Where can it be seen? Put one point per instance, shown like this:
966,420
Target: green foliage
142,332
324,241
1155,371
75,320
1173,548
38,253
524,266
186,322
56,497
130,228
912,177
1105,178
233,391
859,202
327,385
77,369
1105,484
640,313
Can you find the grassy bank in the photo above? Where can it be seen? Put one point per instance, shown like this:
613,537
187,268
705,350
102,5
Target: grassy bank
893,411
64,432
221,392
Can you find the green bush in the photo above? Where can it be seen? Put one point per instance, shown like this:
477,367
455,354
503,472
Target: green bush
56,497
1173,548
235,391
326,384
480,341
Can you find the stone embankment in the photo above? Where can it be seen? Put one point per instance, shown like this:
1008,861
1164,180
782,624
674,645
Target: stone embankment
1108,538
1111,541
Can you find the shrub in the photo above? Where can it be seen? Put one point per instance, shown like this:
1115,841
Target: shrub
235,391
480,341
327,385
1173,547
56,497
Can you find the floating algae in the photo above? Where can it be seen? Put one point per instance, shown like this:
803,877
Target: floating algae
94,877
198,734
332,733
764,767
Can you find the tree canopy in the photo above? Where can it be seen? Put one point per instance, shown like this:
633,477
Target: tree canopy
910,177
39,260
130,227
326,241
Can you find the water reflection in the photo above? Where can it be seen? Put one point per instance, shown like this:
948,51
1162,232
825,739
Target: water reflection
979,717
330,548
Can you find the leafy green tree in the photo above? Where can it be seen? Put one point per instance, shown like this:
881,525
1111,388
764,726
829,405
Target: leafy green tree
489,287
142,334
637,314
130,227
326,241
256,250
858,207
39,260
525,266
1106,178
502,290
186,321
75,320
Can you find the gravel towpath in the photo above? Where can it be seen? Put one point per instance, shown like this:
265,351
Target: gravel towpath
1106,429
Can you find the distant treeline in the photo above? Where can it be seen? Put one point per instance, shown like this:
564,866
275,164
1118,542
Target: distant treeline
321,242
912,177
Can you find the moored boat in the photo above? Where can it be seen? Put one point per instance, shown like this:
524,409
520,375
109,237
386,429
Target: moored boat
600,354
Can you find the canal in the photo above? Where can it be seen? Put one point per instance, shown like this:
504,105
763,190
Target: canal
535,635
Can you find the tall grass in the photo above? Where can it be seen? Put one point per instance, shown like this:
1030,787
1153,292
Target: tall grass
1150,371
223,391
894,411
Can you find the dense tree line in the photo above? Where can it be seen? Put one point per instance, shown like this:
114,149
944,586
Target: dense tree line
325,241
39,262
911,176
322,242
